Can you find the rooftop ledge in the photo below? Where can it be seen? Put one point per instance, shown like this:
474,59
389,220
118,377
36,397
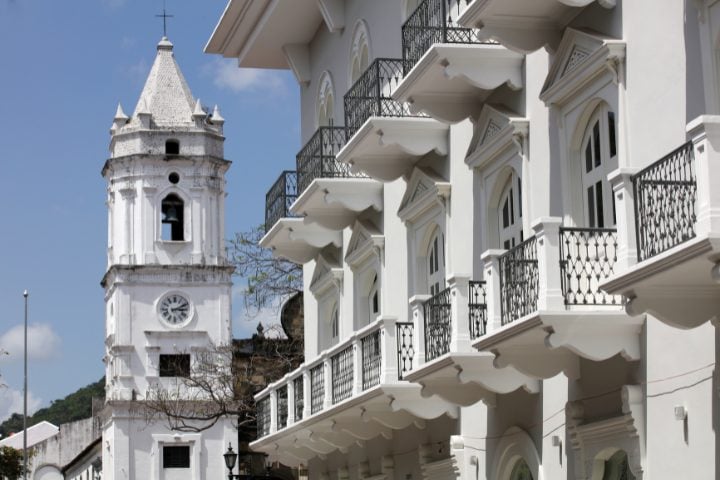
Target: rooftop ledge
386,148
334,203
451,81
521,25
297,240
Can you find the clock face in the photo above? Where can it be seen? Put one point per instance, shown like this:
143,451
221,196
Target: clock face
174,309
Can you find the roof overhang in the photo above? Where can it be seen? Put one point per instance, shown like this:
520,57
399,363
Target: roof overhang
298,241
258,32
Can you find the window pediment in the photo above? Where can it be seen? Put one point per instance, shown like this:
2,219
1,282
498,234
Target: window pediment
582,56
497,131
365,241
424,190
328,273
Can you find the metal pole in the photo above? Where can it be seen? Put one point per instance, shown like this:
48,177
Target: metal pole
25,392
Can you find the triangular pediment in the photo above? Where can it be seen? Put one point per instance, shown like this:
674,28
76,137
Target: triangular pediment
326,265
580,53
496,130
364,237
423,184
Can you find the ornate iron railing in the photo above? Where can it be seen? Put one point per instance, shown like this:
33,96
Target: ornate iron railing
405,348
519,281
317,388
282,407
371,360
434,21
665,195
279,198
371,95
477,308
263,417
299,395
438,324
587,257
342,375
317,157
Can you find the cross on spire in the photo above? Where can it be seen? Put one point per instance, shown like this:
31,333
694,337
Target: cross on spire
164,16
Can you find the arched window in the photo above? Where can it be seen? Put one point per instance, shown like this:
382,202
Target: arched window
172,147
510,213
360,53
374,300
599,157
436,263
335,325
326,101
173,225
521,471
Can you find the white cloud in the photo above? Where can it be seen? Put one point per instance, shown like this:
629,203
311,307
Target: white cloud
43,342
227,75
11,401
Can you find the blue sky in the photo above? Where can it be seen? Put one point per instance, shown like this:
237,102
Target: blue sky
64,66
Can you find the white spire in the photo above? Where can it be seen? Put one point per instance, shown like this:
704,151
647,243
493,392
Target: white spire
166,95
216,117
198,111
120,114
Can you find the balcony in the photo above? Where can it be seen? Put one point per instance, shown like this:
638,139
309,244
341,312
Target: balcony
545,304
447,366
330,194
350,393
385,139
451,70
279,198
521,25
669,231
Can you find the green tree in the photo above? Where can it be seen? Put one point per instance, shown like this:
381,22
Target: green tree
268,278
11,463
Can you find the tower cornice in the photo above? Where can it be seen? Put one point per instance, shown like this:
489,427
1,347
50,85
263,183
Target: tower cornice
167,274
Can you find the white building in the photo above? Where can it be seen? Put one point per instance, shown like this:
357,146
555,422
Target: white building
482,182
167,286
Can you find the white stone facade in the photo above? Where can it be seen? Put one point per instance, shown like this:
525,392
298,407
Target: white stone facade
510,253
167,286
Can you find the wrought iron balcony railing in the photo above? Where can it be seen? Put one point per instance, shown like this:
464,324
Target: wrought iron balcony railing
342,375
438,325
317,388
299,391
282,407
371,359
405,348
371,95
665,196
587,257
262,419
433,21
317,157
360,363
477,308
519,281
279,198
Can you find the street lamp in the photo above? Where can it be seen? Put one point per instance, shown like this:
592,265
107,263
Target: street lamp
231,458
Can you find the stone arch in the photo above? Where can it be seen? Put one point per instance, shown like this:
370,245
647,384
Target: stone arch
360,51
516,444
325,103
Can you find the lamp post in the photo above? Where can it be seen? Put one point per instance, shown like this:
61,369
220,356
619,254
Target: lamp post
25,391
231,458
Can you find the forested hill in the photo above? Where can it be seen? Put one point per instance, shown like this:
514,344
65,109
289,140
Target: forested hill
76,406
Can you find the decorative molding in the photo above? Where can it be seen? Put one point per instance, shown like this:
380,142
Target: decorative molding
425,189
365,242
497,132
328,273
582,56
333,12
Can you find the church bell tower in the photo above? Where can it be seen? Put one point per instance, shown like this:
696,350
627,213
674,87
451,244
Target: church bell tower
167,284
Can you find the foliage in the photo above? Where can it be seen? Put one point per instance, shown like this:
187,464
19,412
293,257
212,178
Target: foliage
11,463
76,406
268,278
222,383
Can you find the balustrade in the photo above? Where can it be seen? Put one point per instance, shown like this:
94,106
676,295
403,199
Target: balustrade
438,324
477,306
262,418
279,198
519,281
317,157
405,348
